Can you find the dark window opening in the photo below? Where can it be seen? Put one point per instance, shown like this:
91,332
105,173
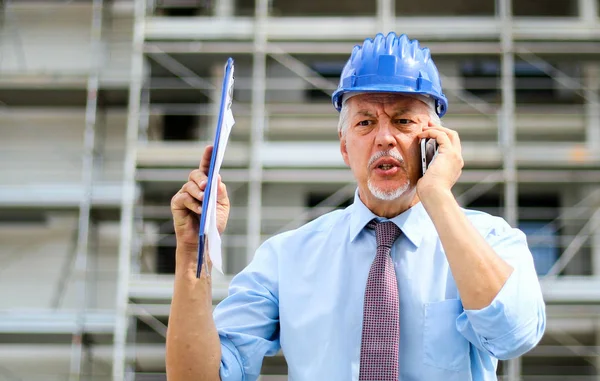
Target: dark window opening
180,127
244,7
482,78
545,8
323,8
445,8
183,8
165,251
330,71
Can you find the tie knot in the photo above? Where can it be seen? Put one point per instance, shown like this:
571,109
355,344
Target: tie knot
386,232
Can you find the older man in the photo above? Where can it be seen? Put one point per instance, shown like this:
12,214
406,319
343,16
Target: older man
402,285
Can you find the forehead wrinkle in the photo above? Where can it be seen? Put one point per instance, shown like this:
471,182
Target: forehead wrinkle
365,113
395,112
402,110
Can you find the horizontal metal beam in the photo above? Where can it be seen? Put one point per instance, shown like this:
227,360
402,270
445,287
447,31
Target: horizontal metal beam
561,290
355,29
51,321
60,195
571,289
343,48
279,154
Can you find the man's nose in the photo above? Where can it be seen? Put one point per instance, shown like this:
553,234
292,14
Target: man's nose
385,135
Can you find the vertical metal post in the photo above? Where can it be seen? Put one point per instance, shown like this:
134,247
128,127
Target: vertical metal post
591,72
85,204
595,240
144,111
126,243
259,74
386,15
597,358
224,8
508,137
588,10
507,126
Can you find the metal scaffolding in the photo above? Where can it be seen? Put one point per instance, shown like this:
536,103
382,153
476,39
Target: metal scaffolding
88,171
123,365
257,173
507,165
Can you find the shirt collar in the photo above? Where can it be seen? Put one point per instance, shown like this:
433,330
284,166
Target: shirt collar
412,222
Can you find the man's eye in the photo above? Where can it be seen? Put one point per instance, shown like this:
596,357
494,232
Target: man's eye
403,121
364,123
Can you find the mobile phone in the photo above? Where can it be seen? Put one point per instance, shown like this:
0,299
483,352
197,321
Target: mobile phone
429,150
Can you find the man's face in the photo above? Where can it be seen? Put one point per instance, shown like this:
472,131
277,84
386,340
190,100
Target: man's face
380,144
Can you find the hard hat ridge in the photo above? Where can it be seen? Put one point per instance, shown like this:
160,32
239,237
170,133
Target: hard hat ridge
392,64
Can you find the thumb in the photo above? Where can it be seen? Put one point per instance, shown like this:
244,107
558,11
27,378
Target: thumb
222,196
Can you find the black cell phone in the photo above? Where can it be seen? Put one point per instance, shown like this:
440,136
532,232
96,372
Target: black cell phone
429,150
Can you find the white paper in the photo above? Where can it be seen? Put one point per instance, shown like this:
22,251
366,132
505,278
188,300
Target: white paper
212,233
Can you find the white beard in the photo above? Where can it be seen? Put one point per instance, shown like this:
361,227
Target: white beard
387,196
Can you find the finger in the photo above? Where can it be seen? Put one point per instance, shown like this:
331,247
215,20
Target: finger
452,135
441,137
191,203
205,161
199,178
194,190
183,200
221,191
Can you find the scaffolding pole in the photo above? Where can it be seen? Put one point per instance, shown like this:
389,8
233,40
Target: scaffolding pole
129,194
507,141
507,127
81,260
386,15
596,359
588,11
259,74
591,72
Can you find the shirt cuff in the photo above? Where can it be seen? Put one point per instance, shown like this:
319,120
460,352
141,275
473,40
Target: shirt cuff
231,363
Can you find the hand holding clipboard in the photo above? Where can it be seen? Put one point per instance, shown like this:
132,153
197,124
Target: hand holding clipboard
208,234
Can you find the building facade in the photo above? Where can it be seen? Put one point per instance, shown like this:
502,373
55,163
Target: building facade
106,106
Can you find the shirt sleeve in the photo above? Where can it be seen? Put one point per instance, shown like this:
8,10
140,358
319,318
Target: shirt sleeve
515,320
248,319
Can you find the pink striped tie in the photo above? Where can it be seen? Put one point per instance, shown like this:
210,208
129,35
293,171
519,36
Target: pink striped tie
381,314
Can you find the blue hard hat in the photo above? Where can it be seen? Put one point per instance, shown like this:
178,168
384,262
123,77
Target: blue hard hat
392,64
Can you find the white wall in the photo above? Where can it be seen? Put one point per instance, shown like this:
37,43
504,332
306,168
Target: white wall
46,146
54,40
32,258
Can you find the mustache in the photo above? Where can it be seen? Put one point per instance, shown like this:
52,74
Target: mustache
392,153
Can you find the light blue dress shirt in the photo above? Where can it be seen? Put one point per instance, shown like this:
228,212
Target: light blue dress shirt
303,293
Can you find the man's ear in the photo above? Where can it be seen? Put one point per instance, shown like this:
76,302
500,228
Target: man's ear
343,148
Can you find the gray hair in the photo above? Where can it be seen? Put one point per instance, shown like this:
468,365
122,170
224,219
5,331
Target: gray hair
343,122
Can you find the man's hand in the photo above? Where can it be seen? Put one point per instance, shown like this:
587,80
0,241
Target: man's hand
447,166
186,205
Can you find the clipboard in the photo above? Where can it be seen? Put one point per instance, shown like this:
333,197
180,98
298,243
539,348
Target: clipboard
226,101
